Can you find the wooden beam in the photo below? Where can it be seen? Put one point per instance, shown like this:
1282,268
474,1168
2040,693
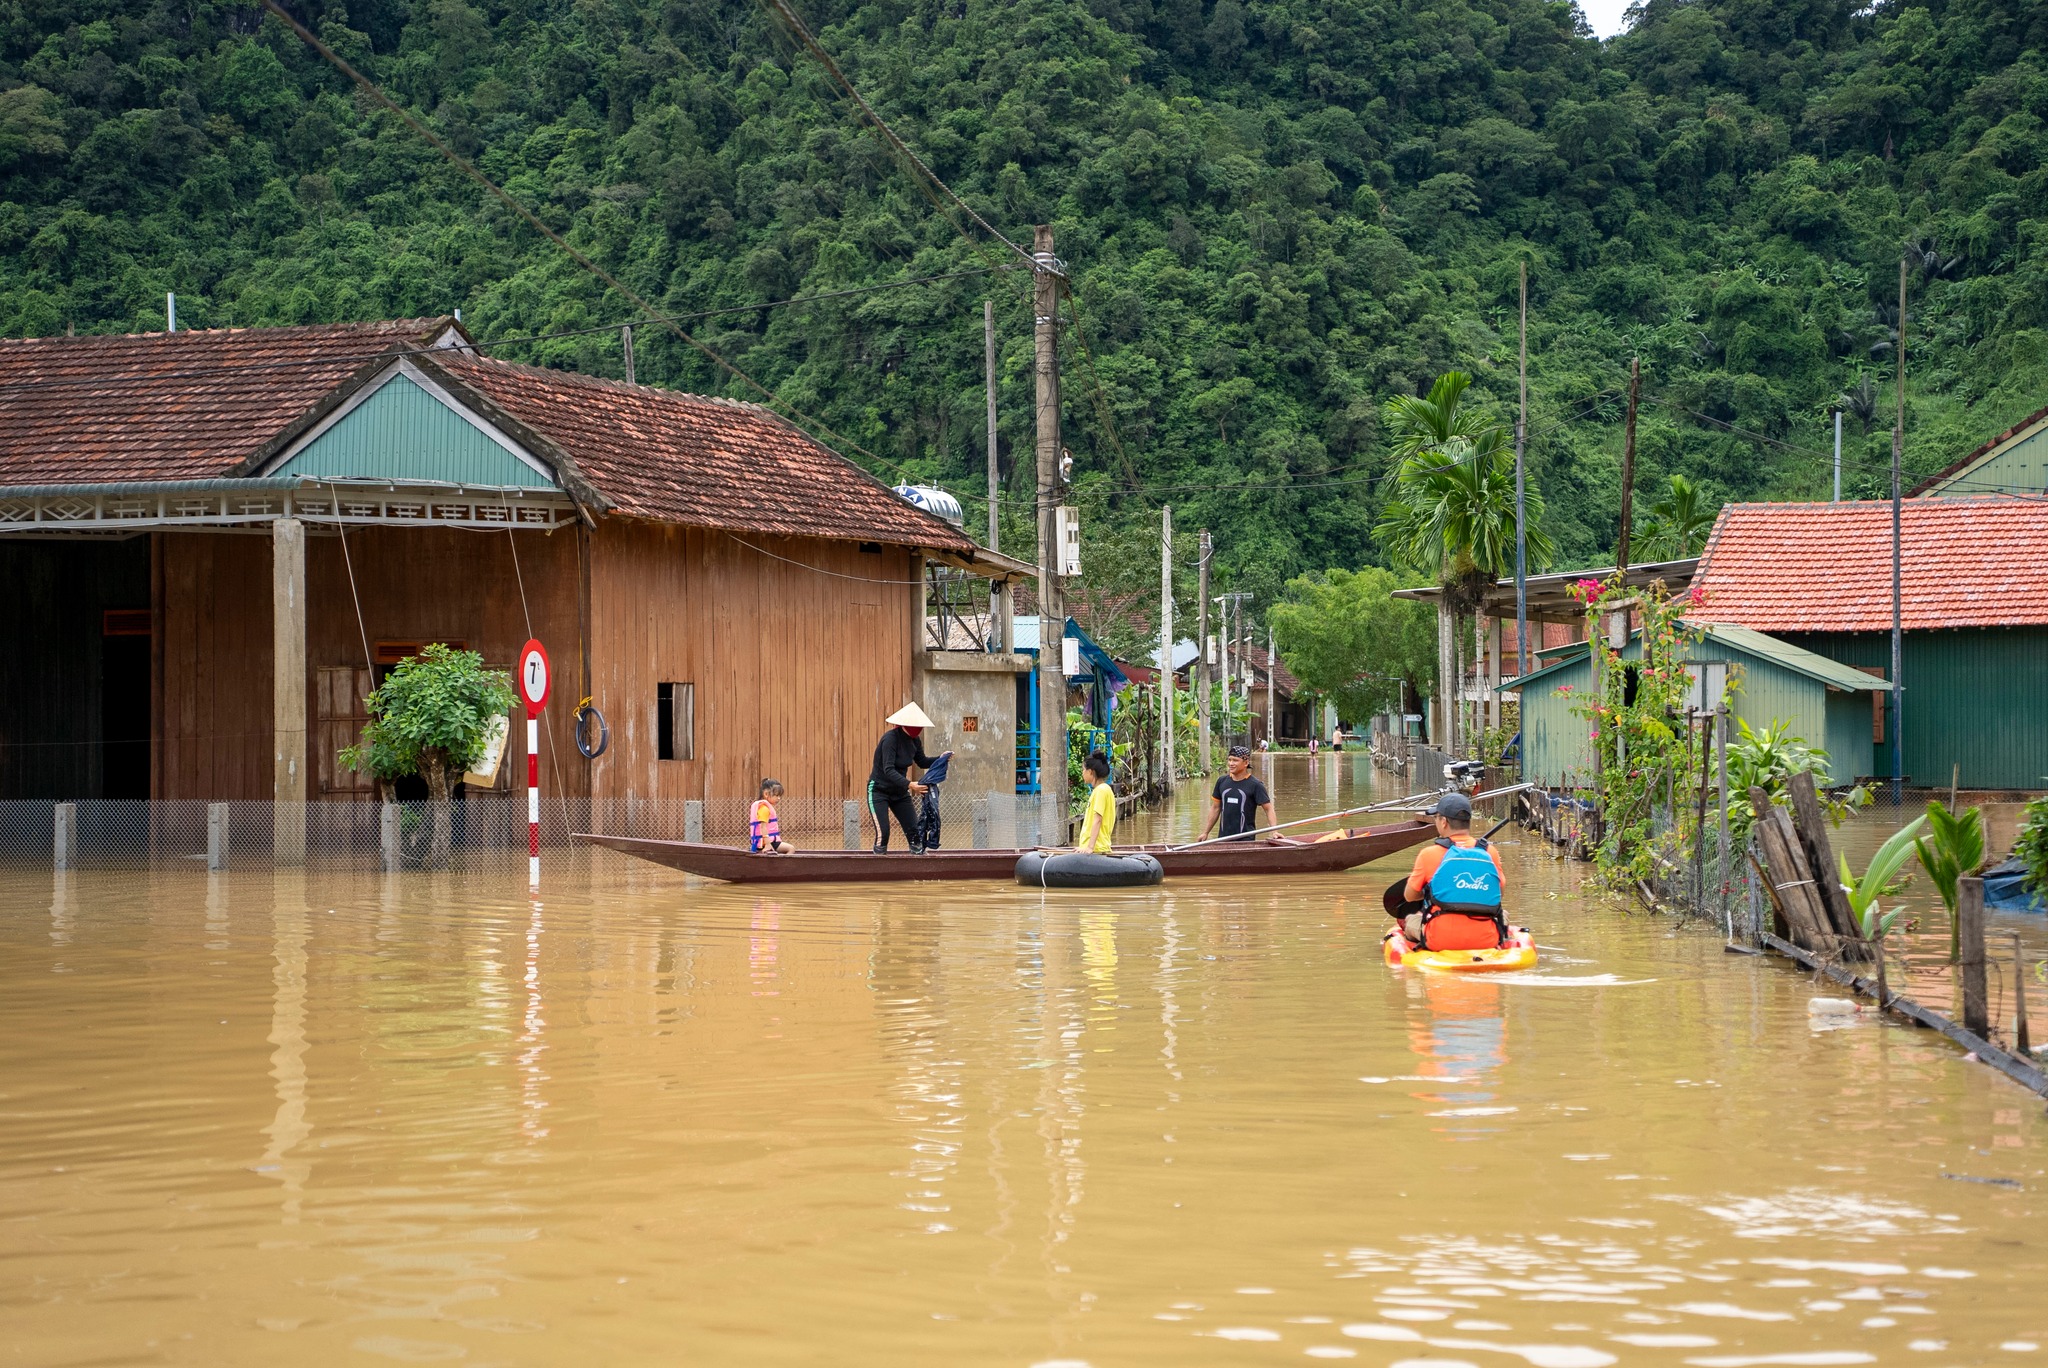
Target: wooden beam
1812,827
288,689
1970,963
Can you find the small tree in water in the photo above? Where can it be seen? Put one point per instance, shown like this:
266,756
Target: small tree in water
432,717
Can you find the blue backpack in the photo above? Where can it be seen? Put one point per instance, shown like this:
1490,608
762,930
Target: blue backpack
1466,882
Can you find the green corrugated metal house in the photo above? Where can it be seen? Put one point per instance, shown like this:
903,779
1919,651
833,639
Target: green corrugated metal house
2013,462
1973,617
1825,702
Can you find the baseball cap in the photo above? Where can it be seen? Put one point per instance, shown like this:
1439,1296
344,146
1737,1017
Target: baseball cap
1451,805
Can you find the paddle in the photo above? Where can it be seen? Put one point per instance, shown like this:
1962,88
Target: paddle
1352,812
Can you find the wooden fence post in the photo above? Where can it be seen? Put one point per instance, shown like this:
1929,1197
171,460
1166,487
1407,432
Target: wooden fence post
2020,1036
1970,968
1812,827
1790,878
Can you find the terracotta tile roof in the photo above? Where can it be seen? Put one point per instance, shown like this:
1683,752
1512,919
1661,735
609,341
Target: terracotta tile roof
1827,567
171,406
682,458
207,404
1958,466
1285,684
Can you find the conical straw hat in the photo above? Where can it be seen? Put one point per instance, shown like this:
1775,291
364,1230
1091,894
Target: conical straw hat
909,715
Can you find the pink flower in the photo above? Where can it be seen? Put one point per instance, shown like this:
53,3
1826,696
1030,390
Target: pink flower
1698,597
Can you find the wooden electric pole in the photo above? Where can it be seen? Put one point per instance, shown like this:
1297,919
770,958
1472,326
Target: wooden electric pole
1046,278
1166,646
1202,655
1628,463
1521,498
999,590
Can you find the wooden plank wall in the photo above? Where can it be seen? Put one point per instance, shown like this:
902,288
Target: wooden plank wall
794,669
414,584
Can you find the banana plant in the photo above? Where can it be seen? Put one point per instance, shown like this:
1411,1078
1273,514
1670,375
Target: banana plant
1863,893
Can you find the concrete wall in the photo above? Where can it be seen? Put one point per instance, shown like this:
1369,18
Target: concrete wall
954,686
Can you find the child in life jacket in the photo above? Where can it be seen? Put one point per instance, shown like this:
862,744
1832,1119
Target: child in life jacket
1458,882
764,826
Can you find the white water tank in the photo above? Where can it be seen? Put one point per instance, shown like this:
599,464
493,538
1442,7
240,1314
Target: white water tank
936,502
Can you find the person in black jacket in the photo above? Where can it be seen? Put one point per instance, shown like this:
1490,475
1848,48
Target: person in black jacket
890,787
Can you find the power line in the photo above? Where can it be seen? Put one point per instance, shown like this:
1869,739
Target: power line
795,415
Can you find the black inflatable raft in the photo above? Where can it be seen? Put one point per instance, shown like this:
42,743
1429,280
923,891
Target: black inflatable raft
1072,869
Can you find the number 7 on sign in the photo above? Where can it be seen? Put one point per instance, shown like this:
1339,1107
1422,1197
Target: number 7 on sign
535,675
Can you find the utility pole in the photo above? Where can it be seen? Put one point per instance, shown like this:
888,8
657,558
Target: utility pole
1838,454
1521,496
1046,277
1202,655
1272,710
1628,463
626,344
999,590
1166,646
1898,458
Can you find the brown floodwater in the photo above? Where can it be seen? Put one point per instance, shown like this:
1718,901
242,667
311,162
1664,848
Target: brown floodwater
323,1117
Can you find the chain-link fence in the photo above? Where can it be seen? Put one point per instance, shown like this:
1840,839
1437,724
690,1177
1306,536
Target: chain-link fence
115,833
1691,878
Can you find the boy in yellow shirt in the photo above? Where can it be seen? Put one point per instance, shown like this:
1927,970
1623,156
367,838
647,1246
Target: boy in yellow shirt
1100,827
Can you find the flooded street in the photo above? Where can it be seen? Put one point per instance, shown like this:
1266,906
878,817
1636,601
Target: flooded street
329,1118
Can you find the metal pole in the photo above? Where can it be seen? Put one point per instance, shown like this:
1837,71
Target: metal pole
1838,455
1272,709
1202,653
1052,618
1898,455
1628,464
1166,646
1521,497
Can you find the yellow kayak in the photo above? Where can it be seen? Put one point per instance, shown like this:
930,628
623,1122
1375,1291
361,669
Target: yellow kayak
1518,953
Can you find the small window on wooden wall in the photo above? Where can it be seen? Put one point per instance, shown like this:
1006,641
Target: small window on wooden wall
675,721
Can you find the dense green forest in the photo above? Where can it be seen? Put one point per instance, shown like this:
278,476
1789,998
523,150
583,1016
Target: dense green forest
1276,213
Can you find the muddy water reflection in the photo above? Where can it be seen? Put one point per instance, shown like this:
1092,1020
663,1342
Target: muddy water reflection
319,1118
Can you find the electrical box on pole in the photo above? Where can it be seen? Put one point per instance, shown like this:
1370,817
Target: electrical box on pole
1069,519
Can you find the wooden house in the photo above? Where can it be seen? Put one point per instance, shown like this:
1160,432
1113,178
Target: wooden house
215,541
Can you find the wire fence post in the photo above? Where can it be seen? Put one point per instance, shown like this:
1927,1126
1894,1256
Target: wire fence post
65,836
850,825
216,835
693,820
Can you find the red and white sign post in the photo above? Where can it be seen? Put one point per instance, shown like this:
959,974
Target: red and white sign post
536,676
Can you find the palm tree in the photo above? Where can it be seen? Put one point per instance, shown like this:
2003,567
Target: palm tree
1679,522
1453,510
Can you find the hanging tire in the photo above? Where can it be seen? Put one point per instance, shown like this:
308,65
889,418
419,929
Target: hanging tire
584,716
1072,869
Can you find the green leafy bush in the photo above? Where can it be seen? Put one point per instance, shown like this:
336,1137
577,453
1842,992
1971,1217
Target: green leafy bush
2031,849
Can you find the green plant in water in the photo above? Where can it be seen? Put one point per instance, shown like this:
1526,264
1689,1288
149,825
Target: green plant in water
433,717
2031,849
1864,893
1767,759
1952,848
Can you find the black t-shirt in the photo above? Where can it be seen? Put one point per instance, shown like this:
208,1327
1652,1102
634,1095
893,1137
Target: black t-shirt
1241,799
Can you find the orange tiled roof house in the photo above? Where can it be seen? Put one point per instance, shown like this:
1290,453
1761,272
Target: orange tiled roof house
1974,620
213,541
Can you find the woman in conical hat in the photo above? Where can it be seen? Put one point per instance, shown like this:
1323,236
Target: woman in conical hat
890,787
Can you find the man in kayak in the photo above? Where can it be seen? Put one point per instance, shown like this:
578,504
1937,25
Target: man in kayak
1239,800
890,787
1454,892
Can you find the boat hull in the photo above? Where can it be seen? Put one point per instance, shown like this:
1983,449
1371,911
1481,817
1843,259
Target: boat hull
1518,953
1272,856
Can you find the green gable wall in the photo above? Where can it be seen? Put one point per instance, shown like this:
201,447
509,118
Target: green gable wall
1975,697
403,432
1557,748
2021,467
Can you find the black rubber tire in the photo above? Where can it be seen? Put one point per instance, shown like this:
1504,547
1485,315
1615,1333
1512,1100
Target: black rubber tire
584,745
1070,869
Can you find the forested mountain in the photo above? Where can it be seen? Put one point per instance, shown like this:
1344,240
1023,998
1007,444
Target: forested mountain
1276,213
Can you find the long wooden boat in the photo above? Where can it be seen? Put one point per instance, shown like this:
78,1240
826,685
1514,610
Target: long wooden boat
1273,855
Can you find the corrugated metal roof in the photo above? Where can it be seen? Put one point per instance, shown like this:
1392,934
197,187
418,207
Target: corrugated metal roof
1797,659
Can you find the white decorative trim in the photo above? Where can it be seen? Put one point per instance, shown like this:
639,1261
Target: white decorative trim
403,366
320,504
